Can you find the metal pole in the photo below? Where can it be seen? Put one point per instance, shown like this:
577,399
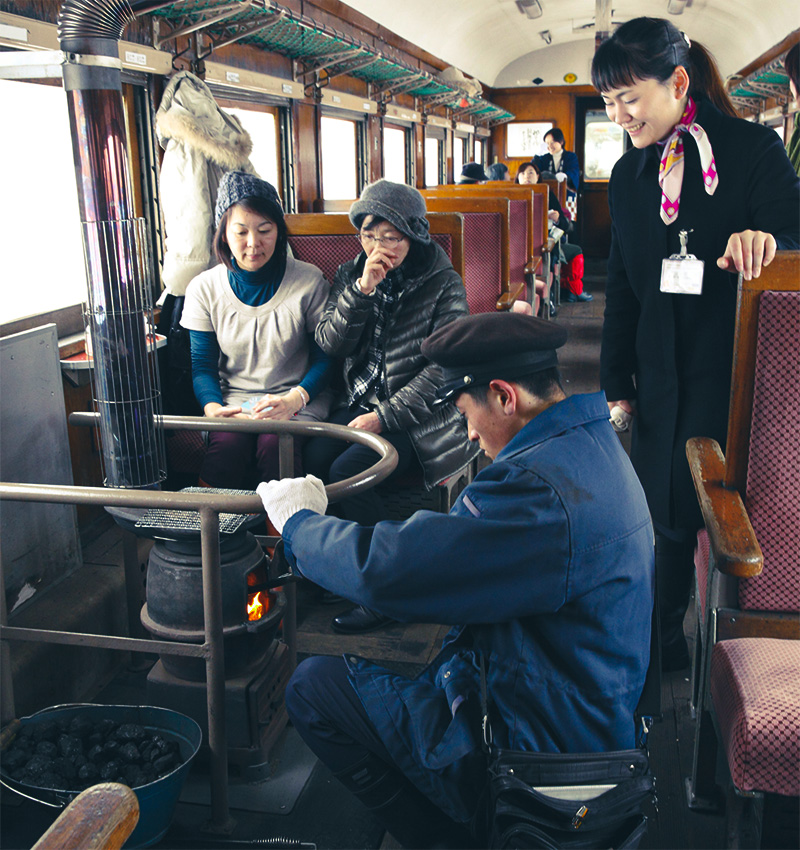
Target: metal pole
215,670
286,468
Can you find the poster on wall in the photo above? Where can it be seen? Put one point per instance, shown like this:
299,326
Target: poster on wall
526,138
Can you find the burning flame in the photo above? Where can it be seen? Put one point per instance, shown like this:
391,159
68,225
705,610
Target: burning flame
255,607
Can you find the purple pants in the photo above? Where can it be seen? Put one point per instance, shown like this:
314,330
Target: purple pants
241,461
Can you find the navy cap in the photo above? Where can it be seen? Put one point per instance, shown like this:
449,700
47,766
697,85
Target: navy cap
475,350
474,171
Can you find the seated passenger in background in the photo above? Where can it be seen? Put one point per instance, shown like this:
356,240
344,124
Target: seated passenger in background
572,254
251,321
541,574
472,172
558,160
498,171
381,307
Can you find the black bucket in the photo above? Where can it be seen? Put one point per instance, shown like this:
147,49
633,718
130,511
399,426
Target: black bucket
157,800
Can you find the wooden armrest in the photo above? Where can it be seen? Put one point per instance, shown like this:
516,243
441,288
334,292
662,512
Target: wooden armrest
551,245
730,534
99,818
507,299
533,266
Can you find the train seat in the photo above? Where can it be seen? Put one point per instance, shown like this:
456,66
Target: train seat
747,565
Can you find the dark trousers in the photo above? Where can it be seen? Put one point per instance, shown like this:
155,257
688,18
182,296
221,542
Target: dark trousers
674,578
328,715
334,460
237,461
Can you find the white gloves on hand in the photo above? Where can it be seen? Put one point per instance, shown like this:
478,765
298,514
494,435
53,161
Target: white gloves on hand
286,497
561,177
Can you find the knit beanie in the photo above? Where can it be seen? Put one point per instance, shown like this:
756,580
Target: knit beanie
473,171
399,204
235,186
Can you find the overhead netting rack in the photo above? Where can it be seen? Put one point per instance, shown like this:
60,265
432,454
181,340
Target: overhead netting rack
321,51
769,81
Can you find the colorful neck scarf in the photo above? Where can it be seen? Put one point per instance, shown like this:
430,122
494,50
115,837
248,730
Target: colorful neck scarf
670,172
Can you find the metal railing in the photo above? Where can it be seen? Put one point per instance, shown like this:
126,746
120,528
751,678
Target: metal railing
209,506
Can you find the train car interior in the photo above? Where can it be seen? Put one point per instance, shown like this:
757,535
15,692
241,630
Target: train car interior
151,618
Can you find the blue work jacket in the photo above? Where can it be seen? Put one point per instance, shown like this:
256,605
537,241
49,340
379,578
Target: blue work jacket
544,565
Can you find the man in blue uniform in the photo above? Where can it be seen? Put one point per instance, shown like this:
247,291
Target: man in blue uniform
544,567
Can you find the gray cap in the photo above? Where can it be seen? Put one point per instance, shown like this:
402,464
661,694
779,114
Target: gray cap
399,204
235,186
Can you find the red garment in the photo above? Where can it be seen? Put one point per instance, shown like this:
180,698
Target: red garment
572,275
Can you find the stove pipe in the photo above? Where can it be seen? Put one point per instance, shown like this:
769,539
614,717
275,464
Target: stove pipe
114,242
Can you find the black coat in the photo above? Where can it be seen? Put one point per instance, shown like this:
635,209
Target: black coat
433,297
673,353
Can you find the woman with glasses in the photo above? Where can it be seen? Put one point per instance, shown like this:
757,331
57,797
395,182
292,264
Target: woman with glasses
382,305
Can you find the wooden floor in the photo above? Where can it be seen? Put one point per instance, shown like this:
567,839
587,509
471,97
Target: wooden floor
329,817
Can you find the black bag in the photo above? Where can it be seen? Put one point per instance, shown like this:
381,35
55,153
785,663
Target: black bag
561,801
175,362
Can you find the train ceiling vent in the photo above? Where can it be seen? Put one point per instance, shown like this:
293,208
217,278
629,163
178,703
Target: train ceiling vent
321,53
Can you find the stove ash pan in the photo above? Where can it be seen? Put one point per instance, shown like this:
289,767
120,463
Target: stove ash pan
174,608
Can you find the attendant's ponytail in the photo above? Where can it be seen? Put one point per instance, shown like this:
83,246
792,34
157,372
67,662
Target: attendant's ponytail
706,80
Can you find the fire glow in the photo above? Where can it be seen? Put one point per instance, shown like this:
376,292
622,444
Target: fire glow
255,607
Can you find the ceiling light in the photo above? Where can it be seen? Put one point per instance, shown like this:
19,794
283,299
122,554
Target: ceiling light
531,8
676,7
545,34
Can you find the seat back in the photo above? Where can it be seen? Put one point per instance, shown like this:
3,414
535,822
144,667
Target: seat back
772,491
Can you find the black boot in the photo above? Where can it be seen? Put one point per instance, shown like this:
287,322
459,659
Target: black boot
674,577
358,620
411,819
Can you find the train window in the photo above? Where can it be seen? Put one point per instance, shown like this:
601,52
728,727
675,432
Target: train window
479,150
458,155
395,159
44,227
604,144
433,161
339,157
261,122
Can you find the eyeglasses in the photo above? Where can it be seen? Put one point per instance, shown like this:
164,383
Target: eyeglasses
367,240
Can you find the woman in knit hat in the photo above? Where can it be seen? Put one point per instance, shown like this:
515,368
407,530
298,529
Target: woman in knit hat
382,305
251,321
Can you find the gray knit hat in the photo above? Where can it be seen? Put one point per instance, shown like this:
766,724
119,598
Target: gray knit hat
235,186
399,204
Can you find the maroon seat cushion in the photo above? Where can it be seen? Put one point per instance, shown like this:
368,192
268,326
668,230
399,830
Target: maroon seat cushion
755,687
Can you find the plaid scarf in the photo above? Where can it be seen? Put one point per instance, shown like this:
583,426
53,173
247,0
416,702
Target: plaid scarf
365,374
670,171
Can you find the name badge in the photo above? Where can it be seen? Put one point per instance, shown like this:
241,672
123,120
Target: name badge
682,273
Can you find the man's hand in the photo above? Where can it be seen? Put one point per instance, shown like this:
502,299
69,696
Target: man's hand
286,497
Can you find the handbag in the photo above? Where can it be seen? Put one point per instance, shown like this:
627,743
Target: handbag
561,801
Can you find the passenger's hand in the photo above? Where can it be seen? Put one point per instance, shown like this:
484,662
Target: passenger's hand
379,263
553,215
284,498
278,406
747,252
626,405
215,409
367,422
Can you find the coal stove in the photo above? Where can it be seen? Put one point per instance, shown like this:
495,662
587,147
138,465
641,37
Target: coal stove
257,664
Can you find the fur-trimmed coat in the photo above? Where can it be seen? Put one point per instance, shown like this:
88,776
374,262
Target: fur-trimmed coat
201,143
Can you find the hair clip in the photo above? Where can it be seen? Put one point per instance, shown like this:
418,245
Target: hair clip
686,39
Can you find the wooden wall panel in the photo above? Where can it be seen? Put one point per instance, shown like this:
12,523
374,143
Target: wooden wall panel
305,117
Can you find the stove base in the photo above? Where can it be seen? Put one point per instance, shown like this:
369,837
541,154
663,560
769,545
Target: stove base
255,714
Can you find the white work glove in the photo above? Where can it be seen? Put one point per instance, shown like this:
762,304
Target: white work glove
561,177
284,498
620,419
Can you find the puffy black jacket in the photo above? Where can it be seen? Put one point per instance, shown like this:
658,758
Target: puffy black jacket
431,298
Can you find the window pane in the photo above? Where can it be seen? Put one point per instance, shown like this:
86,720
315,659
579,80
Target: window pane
458,156
394,154
45,270
433,149
479,151
338,159
526,138
263,130
605,144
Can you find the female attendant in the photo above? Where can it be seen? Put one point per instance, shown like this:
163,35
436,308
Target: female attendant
560,161
572,254
382,305
670,351
251,321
